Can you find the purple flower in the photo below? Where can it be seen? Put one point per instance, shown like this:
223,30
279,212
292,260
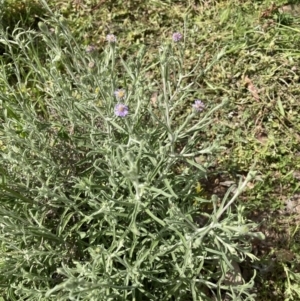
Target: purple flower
110,38
198,105
121,110
177,36
120,93
90,48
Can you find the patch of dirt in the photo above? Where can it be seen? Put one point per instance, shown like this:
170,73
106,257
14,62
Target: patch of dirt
293,9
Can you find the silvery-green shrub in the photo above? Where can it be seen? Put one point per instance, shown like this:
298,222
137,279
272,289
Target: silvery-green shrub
101,205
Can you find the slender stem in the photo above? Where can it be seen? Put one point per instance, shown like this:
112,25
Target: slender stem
237,193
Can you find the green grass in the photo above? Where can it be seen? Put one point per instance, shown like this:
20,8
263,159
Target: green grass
250,56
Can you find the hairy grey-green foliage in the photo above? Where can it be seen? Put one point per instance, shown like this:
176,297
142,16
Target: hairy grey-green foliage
96,207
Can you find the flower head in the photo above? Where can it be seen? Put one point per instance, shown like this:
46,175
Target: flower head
111,38
121,110
198,105
120,93
90,48
177,36
91,64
